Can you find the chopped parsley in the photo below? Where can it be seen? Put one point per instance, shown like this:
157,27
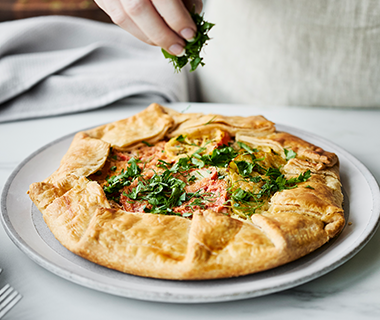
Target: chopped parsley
165,189
147,143
210,121
220,157
181,138
192,48
249,202
117,182
187,108
242,145
289,154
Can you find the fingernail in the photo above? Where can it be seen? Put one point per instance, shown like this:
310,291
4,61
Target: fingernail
188,34
177,50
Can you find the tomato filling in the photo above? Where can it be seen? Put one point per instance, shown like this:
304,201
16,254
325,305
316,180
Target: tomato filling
229,177
198,188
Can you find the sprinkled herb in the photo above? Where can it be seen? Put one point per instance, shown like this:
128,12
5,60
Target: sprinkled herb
220,157
187,108
242,145
115,183
187,214
191,179
210,121
198,162
163,192
249,202
147,143
309,187
246,201
245,168
181,138
221,176
289,154
255,179
192,48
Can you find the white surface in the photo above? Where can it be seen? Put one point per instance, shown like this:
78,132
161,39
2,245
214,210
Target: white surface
352,291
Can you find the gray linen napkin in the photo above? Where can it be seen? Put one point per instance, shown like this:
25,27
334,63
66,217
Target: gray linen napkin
55,65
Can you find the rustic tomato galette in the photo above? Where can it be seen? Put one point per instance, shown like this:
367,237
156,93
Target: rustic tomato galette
175,195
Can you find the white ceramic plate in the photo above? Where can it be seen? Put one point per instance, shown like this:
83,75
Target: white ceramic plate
25,226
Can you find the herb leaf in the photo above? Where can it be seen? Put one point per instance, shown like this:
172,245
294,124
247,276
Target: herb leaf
147,143
192,48
210,121
245,168
289,154
248,202
181,138
115,183
246,148
220,157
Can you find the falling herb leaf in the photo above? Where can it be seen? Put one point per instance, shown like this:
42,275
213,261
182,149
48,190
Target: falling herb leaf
187,108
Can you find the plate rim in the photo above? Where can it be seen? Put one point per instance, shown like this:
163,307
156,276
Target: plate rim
360,241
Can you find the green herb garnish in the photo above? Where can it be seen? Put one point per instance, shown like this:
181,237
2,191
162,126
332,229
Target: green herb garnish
163,192
220,157
242,145
115,183
181,138
248,202
147,143
289,154
210,121
192,48
187,108
245,168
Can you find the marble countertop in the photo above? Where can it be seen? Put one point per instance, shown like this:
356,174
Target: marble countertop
351,291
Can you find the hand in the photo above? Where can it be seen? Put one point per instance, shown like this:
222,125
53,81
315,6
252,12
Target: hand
164,23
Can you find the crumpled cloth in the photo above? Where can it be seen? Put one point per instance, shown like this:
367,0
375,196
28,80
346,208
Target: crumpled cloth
56,65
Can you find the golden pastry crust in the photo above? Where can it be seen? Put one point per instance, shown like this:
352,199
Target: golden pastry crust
210,245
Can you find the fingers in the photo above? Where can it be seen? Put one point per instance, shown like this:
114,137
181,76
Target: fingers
177,17
118,15
165,23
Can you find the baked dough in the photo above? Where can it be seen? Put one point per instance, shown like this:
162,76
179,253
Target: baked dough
217,240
